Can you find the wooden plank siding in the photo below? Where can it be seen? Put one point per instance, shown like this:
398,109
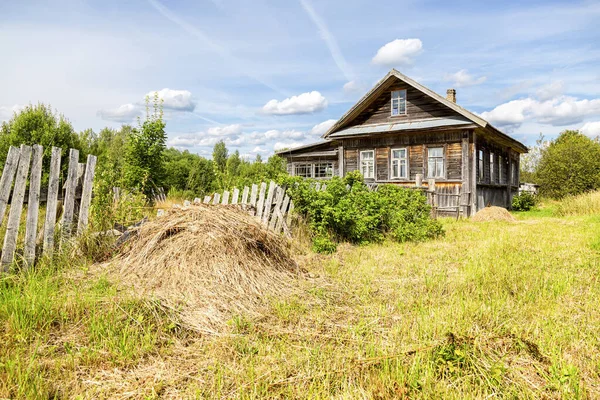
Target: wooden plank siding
419,106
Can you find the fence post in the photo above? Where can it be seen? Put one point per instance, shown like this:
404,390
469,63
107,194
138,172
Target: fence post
225,197
8,176
268,203
431,190
419,180
69,201
261,200
245,197
235,196
52,199
33,203
278,199
86,194
16,207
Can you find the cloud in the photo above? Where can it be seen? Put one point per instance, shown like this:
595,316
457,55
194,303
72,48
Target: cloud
353,87
304,103
462,78
125,113
591,129
6,113
176,100
550,91
320,129
398,52
227,130
561,111
286,145
329,39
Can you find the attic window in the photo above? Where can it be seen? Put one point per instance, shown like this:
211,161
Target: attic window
399,102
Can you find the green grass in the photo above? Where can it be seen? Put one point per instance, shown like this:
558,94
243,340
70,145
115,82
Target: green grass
492,310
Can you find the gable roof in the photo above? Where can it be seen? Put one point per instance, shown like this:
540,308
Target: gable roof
372,94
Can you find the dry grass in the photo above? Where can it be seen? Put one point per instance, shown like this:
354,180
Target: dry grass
493,214
584,204
208,263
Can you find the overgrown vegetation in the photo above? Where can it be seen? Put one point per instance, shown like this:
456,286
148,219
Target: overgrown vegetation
583,204
348,211
524,201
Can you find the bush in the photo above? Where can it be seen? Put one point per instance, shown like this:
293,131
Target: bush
524,201
348,211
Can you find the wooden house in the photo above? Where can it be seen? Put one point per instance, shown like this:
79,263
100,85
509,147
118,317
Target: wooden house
401,132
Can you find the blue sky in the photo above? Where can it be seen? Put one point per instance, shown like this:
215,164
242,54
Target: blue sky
266,74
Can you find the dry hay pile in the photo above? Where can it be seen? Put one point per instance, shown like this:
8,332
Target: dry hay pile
208,263
493,214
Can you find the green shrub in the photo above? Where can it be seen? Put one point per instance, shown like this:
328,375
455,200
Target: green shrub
349,211
524,201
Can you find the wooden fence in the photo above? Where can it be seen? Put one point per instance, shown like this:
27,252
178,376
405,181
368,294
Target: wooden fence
14,178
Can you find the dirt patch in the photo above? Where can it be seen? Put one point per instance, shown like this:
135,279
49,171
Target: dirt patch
208,264
493,214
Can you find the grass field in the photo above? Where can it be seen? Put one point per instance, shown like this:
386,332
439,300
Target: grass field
492,310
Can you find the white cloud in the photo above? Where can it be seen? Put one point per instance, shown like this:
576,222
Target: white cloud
177,100
6,113
561,111
227,130
591,129
125,113
398,52
183,141
286,145
304,103
550,91
462,78
353,87
323,127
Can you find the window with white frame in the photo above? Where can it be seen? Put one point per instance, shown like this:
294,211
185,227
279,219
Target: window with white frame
501,169
324,170
435,162
367,163
492,170
303,170
399,102
399,164
480,165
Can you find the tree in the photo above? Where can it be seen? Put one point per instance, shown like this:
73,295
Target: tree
220,154
144,168
38,124
570,165
531,160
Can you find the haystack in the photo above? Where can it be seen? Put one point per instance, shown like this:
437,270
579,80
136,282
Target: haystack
493,214
208,263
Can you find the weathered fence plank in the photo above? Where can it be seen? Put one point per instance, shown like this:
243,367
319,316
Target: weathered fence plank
288,220
253,195
8,176
283,209
33,203
71,185
245,196
268,203
225,198
206,199
16,207
235,196
216,198
261,201
278,200
86,194
52,199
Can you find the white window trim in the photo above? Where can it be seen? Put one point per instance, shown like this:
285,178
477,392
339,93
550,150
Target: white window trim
360,162
392,103
392,158
311,166
492,168
444,167
323,177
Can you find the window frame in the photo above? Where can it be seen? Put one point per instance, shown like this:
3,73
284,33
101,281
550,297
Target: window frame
316,165
303,164
392,103
399,159
501,180
360,162
492,169
480,165
443,158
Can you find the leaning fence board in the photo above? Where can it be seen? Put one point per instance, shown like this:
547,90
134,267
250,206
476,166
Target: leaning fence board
16,207
288,220
8,176
52,199
278,200
235,196
268,203
225,197
206,199
253,195
283,209
245,196
33,203
86,194
261,200
71,185
216,198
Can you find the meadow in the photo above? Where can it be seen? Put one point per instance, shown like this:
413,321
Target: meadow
490,310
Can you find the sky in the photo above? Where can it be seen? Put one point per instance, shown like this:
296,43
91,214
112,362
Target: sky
269,74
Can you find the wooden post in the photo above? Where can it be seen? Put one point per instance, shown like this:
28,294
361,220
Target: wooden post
33,204
278,200
431,190
216,198
52,200
419,180
236,195
473,185
245,197
253,195
261,201
206,199
86,194
16,207
283,209
268,203
509,180
341,161
225,197
466,179
8,176
69,201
